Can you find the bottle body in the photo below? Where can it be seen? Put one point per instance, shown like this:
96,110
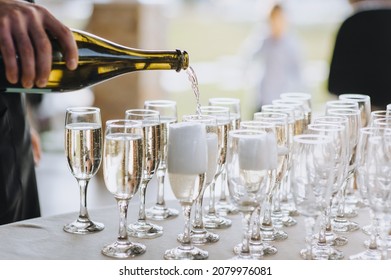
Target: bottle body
99,60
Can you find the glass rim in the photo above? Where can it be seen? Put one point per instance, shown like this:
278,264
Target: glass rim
206,119
225,100
312,138
214,108
83,109
329,127
142,112
370,129
354,96
116,123
160,102
336,117
246,133
345,111
298,95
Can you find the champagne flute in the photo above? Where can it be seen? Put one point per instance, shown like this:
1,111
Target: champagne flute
312,177
83,149
168,115
271,229
340,223
213,219
307,103
373,251
379,114
223,205
187,162
338,134
283,207
123,164
257,245
364,104
249,160
152,141
378,182
199,235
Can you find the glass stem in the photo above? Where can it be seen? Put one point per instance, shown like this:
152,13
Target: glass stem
374,232
309,227
186,241
212,209
255,228
198,223
141,211
223,196
123,213
160,175
322,231
83,213
246,236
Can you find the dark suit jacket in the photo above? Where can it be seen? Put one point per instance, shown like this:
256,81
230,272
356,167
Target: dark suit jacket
18,187
361,62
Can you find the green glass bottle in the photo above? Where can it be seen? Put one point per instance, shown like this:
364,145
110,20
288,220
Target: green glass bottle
99,60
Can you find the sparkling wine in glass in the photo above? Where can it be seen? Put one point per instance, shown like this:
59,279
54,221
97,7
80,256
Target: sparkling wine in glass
150,121
168,115
200,235
223,205
83,149
187,163
212,219
123,164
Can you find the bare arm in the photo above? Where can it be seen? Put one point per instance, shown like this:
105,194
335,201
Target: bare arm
23,32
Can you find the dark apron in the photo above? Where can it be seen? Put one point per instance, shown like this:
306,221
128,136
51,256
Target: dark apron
18,186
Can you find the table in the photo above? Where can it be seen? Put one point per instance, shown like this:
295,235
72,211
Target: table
44,238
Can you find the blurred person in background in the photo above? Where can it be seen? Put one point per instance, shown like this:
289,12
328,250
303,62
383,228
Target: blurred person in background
279,55
361,58
23,34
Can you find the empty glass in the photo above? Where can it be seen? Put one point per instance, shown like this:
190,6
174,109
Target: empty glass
312,178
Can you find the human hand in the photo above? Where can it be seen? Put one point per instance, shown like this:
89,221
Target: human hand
24,29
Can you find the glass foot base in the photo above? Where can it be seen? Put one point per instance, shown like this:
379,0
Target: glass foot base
289,221
201,237
144,230
186,253
159,213
333,239
367,255
257,249
224,208
344,225
123,250
273,234
322,253
83,227
216,222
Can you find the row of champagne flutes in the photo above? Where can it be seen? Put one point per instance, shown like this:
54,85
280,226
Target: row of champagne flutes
278,182
84,153
358,157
